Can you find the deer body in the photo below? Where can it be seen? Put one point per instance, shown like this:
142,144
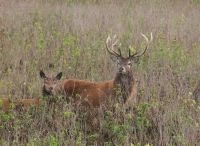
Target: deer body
28,102
80,91
85,91
95,93
6,104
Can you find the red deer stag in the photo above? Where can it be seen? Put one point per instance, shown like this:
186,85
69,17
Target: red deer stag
95,93
124,81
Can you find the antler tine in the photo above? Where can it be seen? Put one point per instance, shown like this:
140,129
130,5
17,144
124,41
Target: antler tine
146,48
151,37
109,40
120,53
116,41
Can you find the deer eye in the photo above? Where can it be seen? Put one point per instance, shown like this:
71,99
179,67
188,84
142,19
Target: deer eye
129,63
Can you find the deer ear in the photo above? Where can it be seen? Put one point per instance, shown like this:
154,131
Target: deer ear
42,74
58,76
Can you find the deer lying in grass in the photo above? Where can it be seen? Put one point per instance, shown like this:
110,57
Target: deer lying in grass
26,103
95,93
6,104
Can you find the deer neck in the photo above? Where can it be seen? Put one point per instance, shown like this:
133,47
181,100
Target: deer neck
59,89
124,84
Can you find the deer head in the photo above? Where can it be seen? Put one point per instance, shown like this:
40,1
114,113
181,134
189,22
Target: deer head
49,83
124,63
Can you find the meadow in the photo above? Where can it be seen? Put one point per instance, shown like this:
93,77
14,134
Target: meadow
70,36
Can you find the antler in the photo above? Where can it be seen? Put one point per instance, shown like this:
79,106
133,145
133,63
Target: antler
112,44
147,46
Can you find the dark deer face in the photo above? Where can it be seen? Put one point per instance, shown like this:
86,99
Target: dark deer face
49,83
124,64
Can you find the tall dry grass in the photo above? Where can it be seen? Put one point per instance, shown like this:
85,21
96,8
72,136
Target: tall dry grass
70,36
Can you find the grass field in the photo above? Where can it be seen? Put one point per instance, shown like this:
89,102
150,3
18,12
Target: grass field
69,36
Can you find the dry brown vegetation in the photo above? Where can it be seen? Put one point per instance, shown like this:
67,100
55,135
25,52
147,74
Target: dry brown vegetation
69,36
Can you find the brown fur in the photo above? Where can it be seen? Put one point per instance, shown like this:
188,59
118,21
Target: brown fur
80,91
126,85
28,102
7,104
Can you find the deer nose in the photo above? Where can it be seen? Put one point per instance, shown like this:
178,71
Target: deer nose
51,88
122,69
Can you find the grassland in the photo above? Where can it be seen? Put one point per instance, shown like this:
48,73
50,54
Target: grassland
69,36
